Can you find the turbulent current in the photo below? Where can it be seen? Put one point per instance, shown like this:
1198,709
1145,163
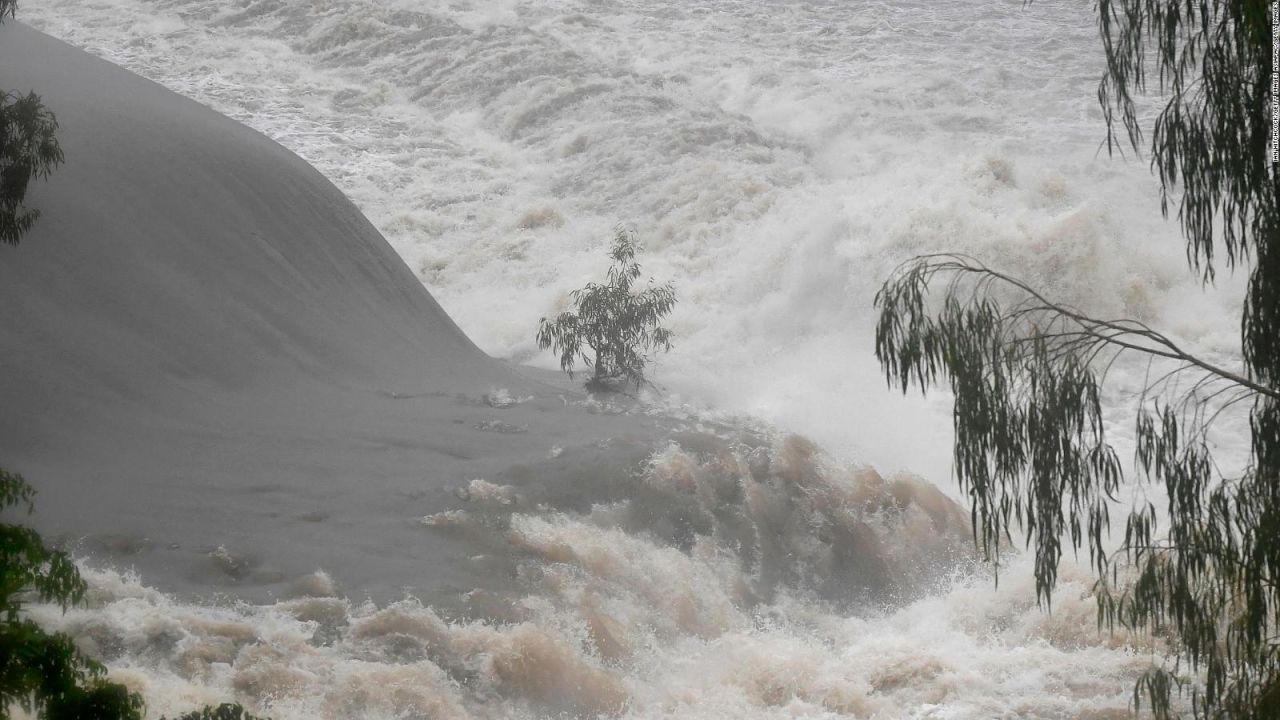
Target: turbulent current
777,160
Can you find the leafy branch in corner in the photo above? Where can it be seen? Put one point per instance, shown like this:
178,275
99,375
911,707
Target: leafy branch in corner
29,150
44,673
40,672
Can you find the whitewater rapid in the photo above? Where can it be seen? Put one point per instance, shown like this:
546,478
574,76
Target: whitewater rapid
777,160
619,622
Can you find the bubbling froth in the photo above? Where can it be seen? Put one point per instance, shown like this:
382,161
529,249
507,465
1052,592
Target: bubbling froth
596,642
778,160
738,577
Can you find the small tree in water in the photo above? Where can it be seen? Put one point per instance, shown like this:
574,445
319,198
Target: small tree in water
612,326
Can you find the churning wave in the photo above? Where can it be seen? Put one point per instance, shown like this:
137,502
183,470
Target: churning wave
738,578
778,161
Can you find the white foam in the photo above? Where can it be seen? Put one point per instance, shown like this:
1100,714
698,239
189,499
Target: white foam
778,161
615,624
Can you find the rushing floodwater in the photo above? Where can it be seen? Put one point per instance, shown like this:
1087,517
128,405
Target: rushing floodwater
778,160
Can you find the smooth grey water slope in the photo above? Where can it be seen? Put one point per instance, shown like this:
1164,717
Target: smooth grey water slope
207,345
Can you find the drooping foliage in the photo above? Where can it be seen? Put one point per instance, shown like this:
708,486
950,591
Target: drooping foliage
1210,143
1030,449
1032,455
612,326
1028,375
28,150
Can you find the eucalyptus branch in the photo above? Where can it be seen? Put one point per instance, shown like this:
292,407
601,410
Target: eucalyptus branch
1090,327
1031,454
